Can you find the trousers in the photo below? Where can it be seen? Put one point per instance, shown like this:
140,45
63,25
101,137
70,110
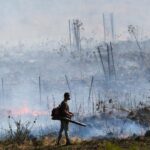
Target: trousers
64,126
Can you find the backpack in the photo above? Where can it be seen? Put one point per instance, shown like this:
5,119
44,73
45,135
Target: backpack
56,112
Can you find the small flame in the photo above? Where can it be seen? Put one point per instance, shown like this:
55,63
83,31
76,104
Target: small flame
25,110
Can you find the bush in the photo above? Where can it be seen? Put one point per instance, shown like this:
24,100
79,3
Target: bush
22,131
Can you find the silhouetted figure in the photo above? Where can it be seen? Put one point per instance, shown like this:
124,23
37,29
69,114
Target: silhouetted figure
64,111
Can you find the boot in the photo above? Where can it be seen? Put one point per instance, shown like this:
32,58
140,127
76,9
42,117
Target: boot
68,142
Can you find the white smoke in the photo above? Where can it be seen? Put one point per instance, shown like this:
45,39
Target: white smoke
21,67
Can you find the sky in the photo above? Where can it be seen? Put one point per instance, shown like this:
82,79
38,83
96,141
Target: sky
40,19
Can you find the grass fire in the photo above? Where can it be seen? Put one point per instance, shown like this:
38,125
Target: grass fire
74,75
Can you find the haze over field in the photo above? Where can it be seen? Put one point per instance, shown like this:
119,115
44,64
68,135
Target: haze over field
34,42
21,67
31,20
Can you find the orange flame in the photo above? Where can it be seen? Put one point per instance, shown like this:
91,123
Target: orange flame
25,110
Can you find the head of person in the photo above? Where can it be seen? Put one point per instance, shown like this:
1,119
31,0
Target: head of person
66,96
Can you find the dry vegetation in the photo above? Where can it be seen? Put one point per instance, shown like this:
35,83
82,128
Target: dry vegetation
45,143
21,139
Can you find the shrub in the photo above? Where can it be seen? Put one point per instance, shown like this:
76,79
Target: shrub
21,132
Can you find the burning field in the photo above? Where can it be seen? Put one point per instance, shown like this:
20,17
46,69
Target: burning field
108,82
114,105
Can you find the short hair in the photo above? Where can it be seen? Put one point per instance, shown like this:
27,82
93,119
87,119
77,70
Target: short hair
66,94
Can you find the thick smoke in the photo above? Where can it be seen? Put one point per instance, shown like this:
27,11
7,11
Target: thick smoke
21,66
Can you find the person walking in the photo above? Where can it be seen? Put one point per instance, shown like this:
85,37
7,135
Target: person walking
64,124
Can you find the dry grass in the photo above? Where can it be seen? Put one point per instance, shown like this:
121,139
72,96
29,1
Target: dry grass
48,143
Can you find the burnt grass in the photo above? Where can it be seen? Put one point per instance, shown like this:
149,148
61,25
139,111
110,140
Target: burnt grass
48,143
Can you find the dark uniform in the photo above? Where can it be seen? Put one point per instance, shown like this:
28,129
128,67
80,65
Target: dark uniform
64,124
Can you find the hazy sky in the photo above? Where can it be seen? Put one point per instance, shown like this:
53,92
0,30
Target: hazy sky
36,19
